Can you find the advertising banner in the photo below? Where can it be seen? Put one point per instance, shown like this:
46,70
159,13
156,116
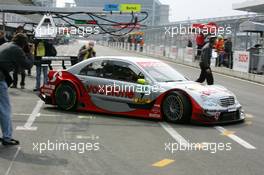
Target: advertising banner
241,61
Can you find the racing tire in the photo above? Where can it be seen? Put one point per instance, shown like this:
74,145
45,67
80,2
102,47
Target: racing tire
66,96
177,108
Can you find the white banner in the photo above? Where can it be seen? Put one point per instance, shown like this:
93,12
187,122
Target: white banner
180,55
167,51
214,57
241,61
173,52
188,55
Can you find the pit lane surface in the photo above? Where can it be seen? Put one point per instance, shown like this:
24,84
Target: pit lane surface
127,145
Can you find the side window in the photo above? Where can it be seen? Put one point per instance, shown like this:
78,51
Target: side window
94,69
108,69
125,72
116,70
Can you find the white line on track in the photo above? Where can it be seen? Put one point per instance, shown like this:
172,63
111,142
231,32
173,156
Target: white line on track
12,162
32,118
235,138
38,115
23,98
174,134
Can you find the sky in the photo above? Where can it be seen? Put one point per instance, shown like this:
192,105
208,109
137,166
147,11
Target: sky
199,9
60,3
194,9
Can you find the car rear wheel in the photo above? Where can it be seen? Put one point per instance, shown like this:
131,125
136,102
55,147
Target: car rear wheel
66,96
177,107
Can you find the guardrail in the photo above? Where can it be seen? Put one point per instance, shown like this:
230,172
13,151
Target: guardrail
186,56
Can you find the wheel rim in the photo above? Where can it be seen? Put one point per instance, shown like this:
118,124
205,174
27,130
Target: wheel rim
173,108
65,97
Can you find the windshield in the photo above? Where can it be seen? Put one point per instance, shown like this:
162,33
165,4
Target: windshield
162,72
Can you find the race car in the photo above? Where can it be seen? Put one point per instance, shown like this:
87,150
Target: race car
139,87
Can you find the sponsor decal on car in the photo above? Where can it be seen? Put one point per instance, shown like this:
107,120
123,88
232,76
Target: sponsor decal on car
47,89
142,100
55,76
107,90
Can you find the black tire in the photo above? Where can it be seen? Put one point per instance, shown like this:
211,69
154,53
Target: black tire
176,107
66,96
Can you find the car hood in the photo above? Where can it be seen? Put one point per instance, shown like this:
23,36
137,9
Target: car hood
199,92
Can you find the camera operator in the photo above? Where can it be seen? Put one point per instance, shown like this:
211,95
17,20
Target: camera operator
12,57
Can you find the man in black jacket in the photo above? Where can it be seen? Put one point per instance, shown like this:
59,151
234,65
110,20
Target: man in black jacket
12,57
19,29
206,72
229,52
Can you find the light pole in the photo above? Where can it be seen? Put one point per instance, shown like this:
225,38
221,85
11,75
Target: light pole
153,12
3,21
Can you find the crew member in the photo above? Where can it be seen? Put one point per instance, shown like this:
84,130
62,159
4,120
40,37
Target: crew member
206,72
43,48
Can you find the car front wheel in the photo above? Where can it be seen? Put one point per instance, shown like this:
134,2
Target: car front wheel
177,107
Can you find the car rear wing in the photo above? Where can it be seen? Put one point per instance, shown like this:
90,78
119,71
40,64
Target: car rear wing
55,61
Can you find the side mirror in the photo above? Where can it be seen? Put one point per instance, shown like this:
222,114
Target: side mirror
141,81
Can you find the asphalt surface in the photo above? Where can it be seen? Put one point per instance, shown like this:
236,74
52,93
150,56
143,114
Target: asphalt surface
119,145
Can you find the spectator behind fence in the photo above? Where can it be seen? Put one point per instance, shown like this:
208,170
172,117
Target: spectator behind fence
141,43
220,49
229,52
12,57
189,44
42,48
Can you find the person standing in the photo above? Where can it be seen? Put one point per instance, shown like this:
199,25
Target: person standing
229,52
12,57
189,44
141,43
206,72
42,48
19,29
87,51
220,49
28,51
200,41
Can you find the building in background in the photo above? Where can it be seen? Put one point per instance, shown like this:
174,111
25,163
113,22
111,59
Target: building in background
158,13
9,21
256,6
46,3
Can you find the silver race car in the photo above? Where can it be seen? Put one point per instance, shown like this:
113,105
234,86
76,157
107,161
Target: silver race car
139,87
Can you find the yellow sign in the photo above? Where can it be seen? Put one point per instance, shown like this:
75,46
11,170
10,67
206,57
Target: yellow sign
130,7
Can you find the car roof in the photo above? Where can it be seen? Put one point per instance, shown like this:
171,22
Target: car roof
126,58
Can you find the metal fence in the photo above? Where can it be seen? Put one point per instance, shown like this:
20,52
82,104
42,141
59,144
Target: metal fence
242,61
